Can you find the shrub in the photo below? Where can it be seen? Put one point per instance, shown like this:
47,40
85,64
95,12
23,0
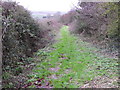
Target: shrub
99,22
20,34
21,37
50,27
68,18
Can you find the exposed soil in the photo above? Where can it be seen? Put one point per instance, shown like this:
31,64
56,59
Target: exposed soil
102,82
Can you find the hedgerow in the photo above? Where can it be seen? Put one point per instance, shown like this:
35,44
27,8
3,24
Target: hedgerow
20,35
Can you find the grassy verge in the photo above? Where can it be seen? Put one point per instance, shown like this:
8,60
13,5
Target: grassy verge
69,63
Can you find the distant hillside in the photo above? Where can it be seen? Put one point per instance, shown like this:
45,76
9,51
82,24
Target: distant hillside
41,14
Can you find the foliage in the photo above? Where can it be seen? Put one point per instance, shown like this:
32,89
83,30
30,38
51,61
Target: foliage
20,34
76,63
98,21
68,18
50,27
111,10
20,37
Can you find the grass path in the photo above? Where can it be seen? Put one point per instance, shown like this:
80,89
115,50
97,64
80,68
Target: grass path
70,63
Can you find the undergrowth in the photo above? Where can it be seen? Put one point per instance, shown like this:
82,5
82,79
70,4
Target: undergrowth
69,63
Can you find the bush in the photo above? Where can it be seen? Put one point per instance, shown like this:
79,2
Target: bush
50,27
69,17
98,22
20,34
21,37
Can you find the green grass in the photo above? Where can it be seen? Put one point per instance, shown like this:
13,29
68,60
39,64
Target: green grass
77,62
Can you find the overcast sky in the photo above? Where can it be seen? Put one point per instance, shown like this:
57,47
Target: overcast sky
48,5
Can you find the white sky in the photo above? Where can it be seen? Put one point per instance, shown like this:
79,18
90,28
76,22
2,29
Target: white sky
48,5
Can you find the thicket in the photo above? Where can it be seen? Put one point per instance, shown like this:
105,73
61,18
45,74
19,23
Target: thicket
112,11
51,27
69,17
20,36
97,22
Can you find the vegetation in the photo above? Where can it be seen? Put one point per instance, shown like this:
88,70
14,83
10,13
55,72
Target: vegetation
19,30
70,64
38,53
113,16
21,37
102,33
